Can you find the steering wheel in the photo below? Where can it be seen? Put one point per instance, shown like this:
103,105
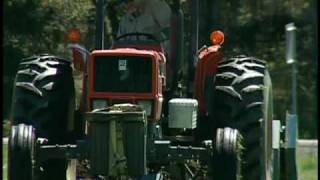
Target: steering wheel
137,35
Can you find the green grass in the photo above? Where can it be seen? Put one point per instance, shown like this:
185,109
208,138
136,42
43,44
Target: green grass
4,161
307,165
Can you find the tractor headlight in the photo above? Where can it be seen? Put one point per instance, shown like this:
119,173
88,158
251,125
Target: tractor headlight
99,104
147,105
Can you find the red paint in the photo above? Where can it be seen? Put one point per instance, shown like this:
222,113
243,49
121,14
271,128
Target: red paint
151,47
207,65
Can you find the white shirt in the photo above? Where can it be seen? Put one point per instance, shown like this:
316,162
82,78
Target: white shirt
153,20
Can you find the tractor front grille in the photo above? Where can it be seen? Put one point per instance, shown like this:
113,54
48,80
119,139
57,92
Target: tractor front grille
124,74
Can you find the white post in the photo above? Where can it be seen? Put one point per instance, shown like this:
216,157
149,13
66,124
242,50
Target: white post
276,129
72,169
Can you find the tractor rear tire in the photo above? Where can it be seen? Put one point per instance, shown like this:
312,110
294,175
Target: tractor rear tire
44,98
242,99
20,154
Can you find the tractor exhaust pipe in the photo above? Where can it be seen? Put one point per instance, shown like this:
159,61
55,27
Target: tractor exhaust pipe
194,44
176,42
100,24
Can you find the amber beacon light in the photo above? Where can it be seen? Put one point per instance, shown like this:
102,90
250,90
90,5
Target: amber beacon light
73,35
217,37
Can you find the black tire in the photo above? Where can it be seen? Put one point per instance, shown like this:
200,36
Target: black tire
44,98
228,149
242,100
21,151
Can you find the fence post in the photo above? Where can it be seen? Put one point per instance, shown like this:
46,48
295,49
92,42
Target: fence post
276,129
290,148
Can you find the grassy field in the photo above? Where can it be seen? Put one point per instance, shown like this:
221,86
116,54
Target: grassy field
307,165
4,161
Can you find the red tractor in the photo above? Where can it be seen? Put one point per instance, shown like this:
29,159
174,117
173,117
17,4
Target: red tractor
133,123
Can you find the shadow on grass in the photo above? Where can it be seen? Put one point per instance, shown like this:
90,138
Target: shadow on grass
307,164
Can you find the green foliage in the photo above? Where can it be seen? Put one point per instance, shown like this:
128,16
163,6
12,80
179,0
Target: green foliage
6,128
35,26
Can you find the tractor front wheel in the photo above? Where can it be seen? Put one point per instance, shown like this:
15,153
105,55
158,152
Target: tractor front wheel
227,154
20,154
242,100
44,98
